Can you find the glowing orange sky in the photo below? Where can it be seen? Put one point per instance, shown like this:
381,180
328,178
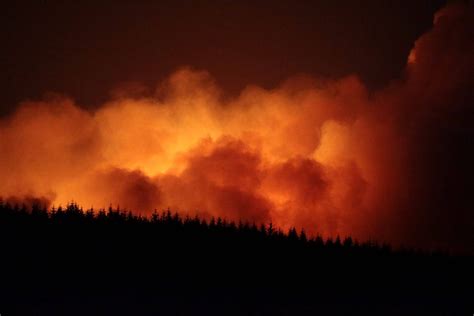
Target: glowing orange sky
322,155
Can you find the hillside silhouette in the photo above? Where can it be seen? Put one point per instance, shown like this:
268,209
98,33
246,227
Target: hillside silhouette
70,261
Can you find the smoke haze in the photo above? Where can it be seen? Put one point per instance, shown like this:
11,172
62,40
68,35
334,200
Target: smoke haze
323,155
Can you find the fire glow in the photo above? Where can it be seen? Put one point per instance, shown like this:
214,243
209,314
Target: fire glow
326,156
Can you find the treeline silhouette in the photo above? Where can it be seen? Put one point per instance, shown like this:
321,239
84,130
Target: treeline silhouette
168,222
70,261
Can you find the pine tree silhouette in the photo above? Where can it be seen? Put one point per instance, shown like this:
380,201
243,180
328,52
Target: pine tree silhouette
150,263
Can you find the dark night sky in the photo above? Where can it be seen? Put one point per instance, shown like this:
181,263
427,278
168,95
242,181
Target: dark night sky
85,48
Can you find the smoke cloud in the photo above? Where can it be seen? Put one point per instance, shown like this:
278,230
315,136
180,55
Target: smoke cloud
324,155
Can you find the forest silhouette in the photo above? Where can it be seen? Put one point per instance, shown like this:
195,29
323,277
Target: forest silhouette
70,261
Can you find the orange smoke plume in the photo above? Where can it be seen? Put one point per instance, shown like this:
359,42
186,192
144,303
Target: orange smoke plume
322,155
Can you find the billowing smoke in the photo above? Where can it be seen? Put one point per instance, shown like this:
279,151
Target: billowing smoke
326,156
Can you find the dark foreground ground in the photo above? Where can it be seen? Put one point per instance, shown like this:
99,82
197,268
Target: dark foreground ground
74,263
